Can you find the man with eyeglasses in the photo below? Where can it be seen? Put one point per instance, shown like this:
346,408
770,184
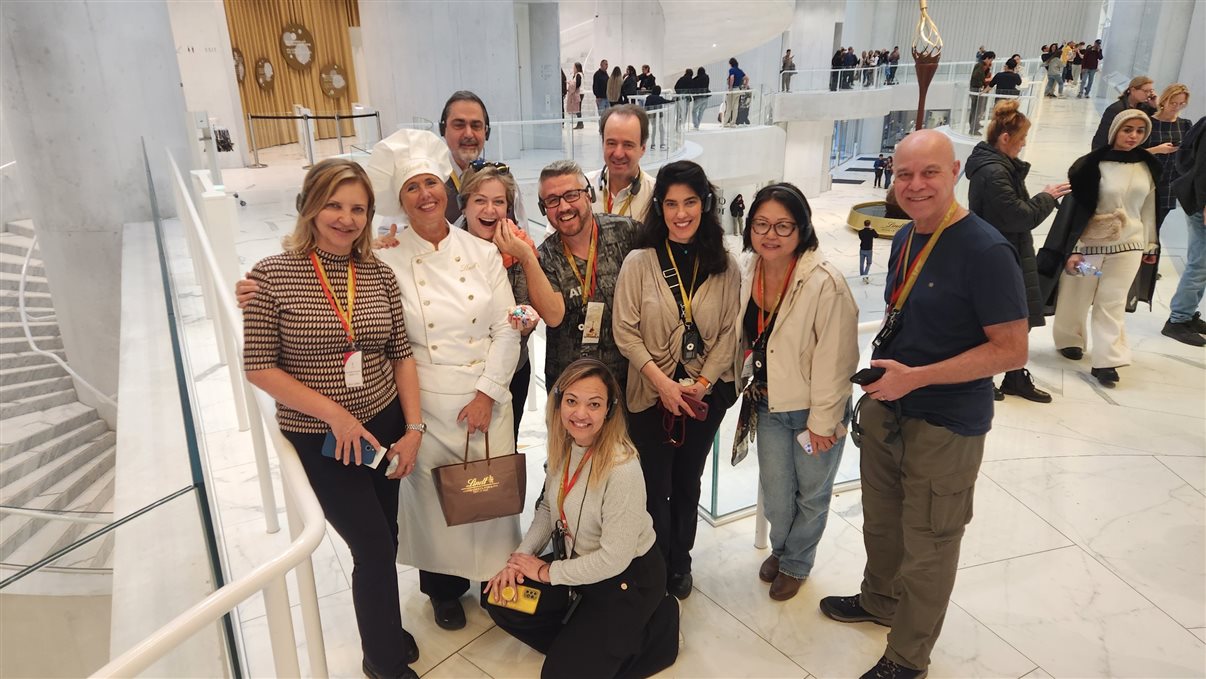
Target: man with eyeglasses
621,187
572,281
465,127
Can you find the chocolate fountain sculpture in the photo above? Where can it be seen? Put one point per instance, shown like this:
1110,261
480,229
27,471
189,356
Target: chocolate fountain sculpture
927,50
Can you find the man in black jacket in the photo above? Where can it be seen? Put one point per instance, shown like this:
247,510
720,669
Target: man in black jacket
599,87
1140,94
1185,323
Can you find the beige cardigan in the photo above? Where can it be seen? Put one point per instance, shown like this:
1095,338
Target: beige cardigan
813,348
646,326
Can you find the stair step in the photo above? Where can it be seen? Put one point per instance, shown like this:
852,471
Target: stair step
14,244
16,345
73,475
29,373
49,536
12,281
26,431
11,264
36,328
13,314
21,227
10,363
95,436
33,404
33,300
16,392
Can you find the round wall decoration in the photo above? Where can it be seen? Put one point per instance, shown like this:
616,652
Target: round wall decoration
333,80
264,73
297,46
240,66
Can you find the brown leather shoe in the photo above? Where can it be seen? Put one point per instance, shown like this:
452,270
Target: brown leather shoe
769,569
785,587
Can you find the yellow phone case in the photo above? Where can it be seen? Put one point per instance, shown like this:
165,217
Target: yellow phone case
526,602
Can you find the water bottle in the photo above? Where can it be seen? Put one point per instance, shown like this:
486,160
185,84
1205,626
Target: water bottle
1084,268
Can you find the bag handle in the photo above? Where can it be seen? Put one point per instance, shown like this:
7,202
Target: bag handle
468,434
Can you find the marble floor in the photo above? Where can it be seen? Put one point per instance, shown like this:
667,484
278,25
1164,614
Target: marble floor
1086,557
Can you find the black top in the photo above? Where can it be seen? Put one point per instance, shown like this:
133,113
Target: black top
971,280
749,323
866,238
1007,82
599,85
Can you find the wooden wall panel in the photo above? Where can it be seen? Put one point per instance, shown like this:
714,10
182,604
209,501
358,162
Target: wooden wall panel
255,28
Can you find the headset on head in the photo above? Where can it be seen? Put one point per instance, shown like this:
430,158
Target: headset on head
611,404
590,194
798,196
707,204
464,95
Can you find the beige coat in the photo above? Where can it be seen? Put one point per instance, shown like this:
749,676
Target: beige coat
813,348
646,325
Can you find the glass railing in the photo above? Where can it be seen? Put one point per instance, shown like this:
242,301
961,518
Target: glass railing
970,113
106,536
881,75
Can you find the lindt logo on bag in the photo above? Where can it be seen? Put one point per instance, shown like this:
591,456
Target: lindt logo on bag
482,485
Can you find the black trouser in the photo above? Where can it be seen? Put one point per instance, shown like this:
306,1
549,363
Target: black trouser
672,475
362,506
442,587
624,626
519,393
879,177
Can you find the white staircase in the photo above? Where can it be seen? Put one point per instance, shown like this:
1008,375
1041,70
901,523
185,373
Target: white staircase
56,454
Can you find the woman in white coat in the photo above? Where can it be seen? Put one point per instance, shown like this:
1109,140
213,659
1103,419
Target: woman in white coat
456,300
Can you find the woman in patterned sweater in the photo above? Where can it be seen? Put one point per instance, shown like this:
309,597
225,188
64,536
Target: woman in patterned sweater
325,337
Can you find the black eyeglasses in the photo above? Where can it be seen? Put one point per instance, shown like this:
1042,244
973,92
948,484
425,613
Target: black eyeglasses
480,163
782,229
570,196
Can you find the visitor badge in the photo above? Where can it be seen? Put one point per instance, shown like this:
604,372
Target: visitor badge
593,325
353,369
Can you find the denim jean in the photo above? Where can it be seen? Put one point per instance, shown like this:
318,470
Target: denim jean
1086,80
1052,81
1188,296
602,105
699,103
864,262
796,488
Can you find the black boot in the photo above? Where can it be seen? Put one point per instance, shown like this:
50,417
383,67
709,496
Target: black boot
1020,383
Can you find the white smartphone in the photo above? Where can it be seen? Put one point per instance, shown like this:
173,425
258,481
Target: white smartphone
805,442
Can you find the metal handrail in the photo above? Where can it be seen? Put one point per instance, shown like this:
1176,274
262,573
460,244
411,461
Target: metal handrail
307,524
21,313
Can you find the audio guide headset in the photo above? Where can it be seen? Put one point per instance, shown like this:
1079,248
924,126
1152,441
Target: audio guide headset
463,95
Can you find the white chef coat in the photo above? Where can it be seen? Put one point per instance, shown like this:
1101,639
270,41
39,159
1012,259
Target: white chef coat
456,299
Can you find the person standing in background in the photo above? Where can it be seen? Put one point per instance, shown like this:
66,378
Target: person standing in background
879,170
1168,130
737,210
599,87
736,77
1185,322
1089,64
787,71
866,243
888,164
573,95
1140,93
700,97
615,84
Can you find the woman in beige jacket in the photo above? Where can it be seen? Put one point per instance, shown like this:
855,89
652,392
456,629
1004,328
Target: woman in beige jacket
675,320
799,347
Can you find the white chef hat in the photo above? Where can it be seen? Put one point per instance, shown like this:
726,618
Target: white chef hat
400,157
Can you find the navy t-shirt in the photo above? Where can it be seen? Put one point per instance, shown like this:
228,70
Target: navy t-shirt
738,75
971,280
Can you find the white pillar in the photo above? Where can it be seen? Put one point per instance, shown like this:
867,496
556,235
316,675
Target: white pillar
82,82
806,159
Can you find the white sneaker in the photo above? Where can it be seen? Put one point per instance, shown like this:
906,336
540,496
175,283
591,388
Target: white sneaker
682,641
866,279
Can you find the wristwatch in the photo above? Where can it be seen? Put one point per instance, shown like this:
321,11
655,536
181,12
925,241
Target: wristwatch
420,427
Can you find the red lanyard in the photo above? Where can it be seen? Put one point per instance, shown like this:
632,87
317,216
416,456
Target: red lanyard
345,319
592,256
760,294
567,484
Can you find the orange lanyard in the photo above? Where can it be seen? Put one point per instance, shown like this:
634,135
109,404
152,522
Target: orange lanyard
567,484
587,283
345,319
760,290
901,293
623,208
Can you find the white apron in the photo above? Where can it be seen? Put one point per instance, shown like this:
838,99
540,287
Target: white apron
456,300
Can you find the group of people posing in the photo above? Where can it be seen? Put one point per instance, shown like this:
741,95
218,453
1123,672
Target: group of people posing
849,69
411,347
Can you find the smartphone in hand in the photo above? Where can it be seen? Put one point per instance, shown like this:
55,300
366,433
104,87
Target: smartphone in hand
369,456
867,376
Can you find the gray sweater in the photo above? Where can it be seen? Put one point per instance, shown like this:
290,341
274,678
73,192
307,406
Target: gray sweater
609,522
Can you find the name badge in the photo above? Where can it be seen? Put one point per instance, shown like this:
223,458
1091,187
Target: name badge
353,369
593,325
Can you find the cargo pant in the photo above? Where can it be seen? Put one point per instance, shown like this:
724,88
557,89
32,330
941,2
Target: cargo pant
918,481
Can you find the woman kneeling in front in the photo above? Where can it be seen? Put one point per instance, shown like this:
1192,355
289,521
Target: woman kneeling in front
606,613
